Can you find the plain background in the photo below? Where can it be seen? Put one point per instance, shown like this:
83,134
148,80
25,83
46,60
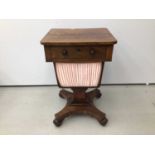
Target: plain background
22,60
57,9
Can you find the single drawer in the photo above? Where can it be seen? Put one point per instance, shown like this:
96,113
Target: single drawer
76,53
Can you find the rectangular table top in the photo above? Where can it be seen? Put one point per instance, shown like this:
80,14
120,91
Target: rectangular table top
89,36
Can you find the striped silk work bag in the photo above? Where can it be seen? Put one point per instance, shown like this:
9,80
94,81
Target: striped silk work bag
78,74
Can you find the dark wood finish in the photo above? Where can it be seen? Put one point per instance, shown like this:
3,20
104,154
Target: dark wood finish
78,53
76,46
91,36
80,102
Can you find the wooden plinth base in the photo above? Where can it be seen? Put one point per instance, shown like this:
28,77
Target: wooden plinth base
80,102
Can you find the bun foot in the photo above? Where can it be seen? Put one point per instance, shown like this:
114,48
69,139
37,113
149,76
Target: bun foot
57,122
60,95
98,95
103,122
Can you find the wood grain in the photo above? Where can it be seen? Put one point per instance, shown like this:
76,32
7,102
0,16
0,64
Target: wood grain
91,36
78,46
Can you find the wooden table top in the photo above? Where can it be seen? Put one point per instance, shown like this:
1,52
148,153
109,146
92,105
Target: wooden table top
90,36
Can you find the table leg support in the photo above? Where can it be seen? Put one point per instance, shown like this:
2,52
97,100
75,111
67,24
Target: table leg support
80,102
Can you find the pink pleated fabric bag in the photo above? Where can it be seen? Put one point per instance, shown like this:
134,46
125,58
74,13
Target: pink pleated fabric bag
78,74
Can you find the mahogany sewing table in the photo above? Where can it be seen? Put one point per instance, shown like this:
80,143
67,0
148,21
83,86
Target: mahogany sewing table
78,56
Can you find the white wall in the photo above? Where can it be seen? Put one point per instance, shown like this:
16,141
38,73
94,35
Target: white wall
22,60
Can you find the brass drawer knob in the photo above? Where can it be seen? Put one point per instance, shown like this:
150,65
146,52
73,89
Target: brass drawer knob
65,52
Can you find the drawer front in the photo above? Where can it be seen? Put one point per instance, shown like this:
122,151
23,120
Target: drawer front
80,53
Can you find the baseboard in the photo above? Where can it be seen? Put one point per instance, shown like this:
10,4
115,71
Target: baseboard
119,84
52,85
27,85
151,83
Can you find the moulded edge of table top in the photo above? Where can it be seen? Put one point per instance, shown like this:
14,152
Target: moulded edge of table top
89,36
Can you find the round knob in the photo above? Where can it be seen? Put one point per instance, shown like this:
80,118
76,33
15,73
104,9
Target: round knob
65,52
92,52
